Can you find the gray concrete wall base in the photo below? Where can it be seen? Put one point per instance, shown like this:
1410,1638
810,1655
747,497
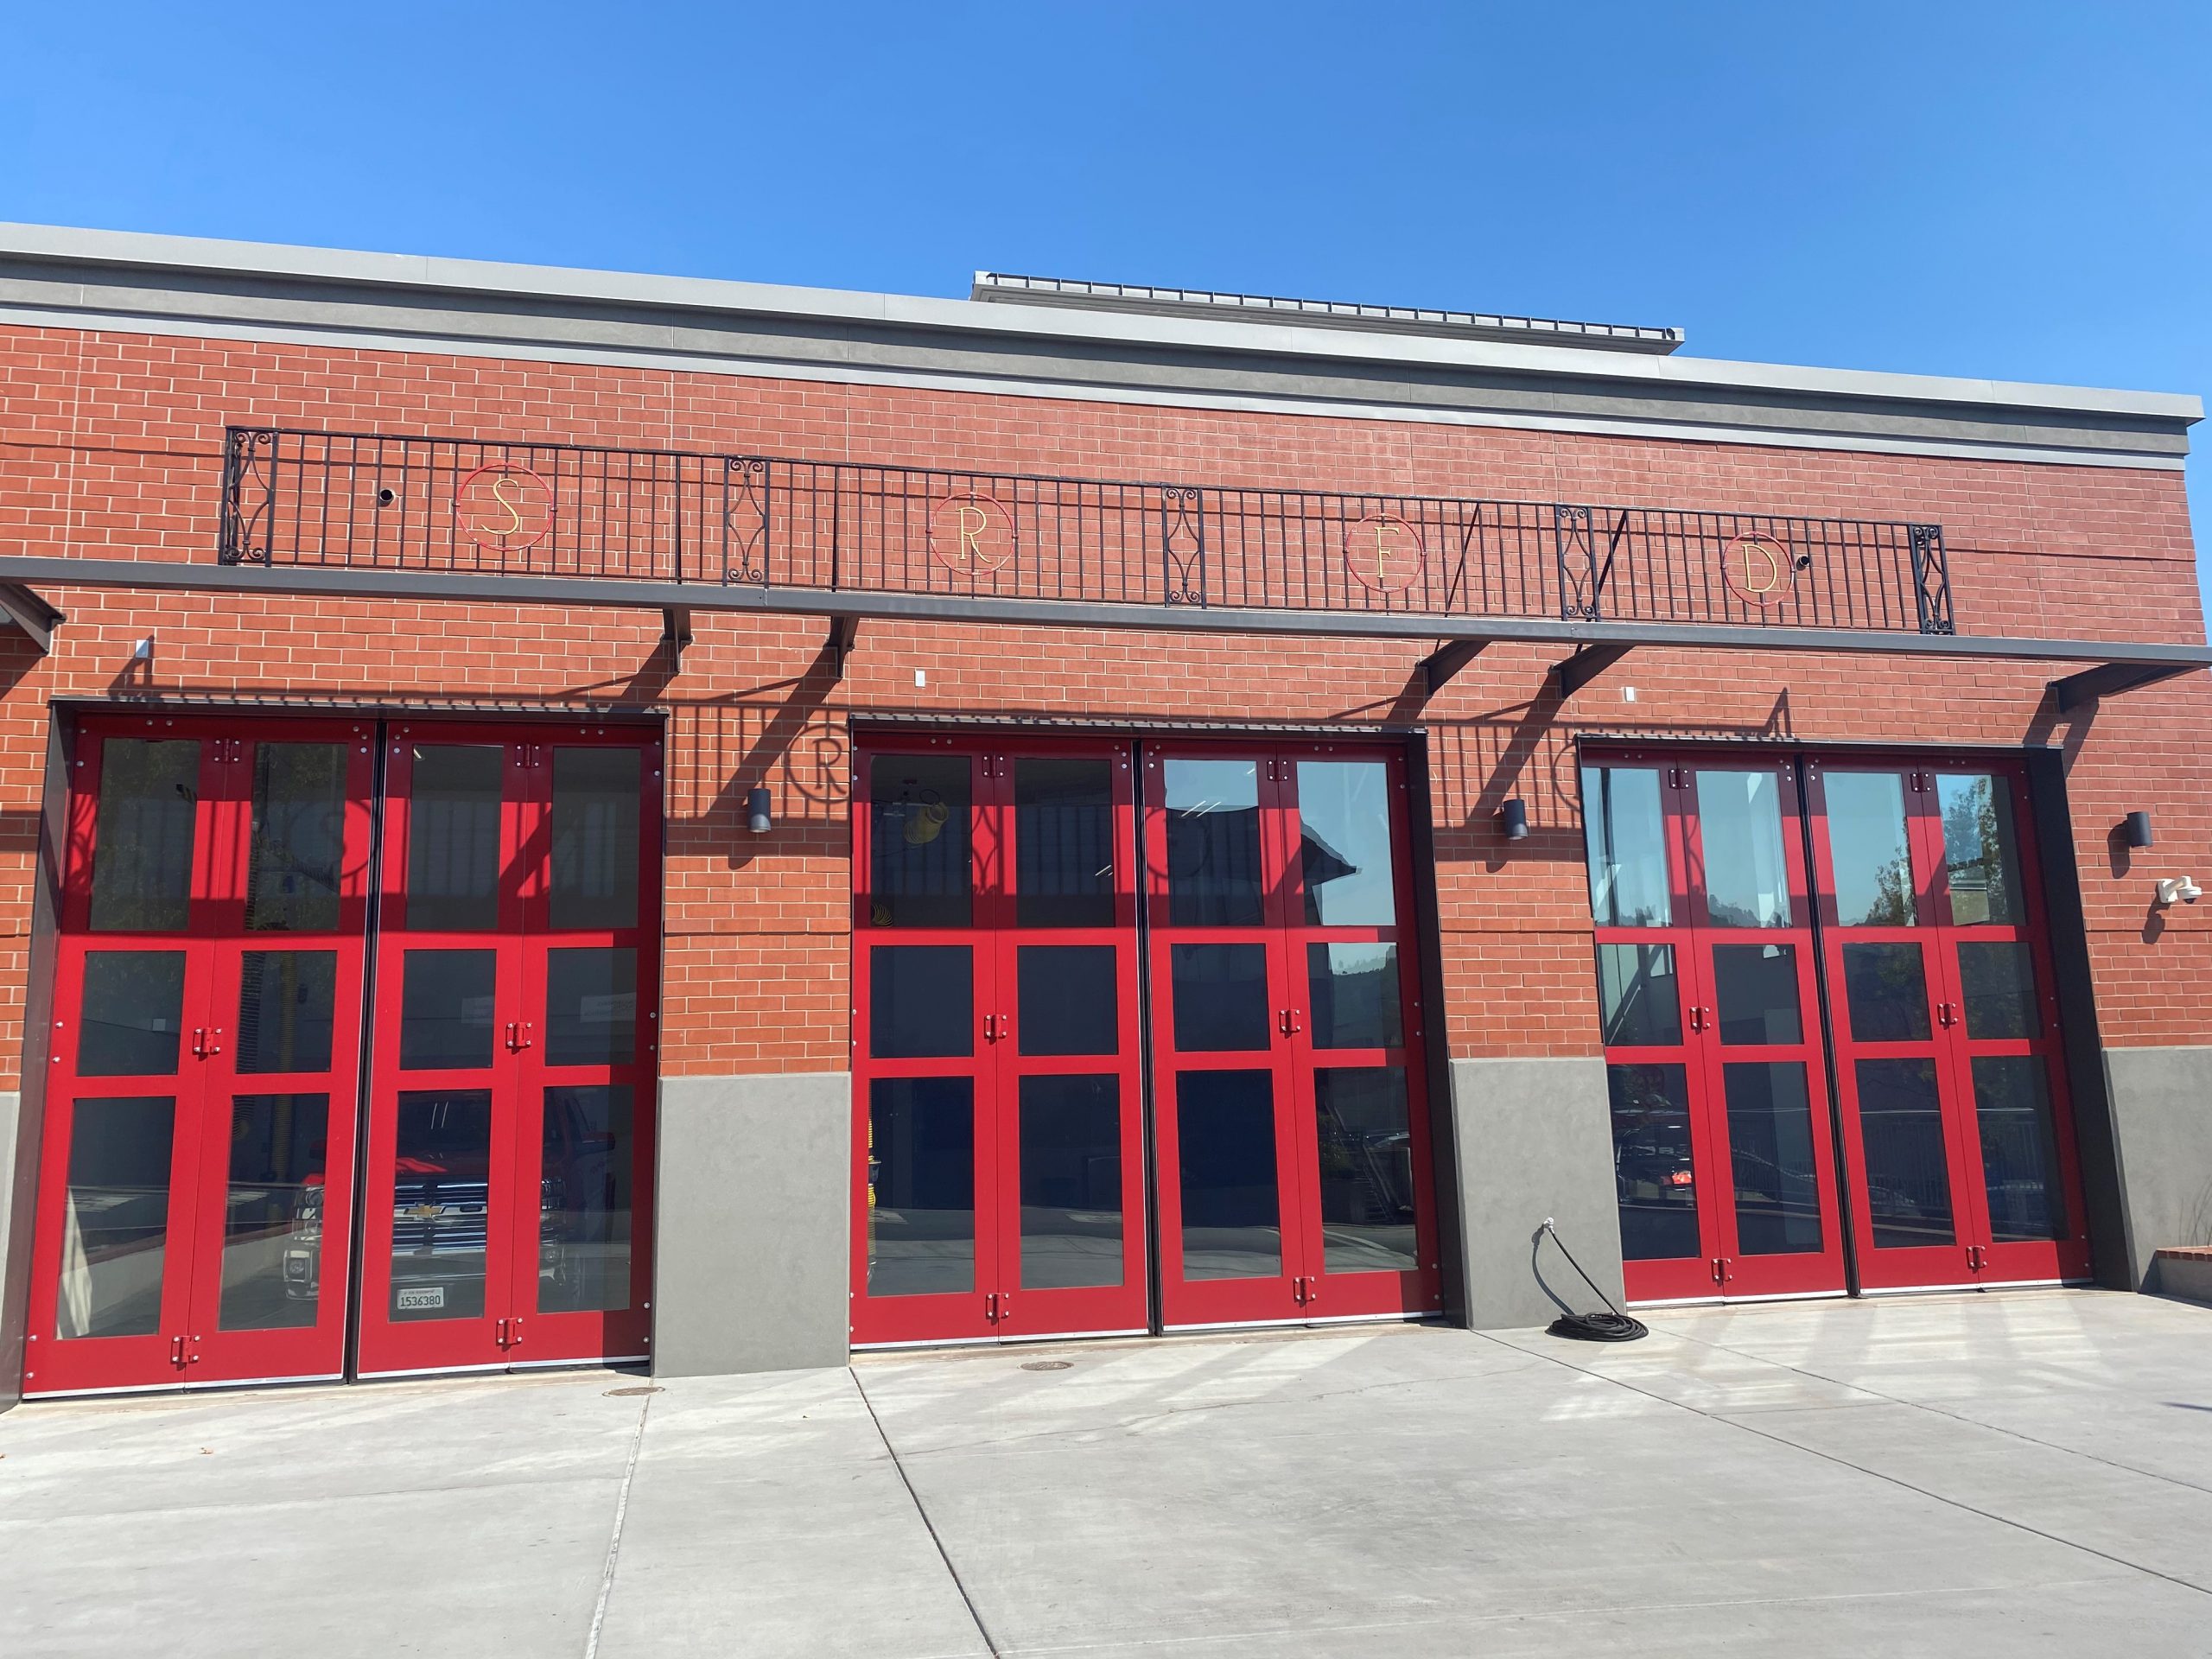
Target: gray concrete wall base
2182,1276
752,1250
2162,1121
18,1193
1535,1139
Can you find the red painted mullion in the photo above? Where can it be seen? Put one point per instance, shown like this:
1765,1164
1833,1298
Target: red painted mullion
1709,1146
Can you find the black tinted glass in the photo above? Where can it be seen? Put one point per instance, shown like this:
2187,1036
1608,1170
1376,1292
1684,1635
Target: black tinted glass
918,872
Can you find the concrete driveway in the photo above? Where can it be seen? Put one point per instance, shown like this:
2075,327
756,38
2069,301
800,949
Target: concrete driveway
2010,1474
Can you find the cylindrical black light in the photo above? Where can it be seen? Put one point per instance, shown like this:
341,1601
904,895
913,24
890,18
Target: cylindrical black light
2135,829
1513,819
756,810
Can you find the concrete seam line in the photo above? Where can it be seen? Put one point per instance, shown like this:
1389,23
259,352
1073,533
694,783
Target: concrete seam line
1947,1416
958,1583
1846,1462
614,1540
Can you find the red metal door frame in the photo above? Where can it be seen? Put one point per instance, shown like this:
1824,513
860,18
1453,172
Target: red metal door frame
317,1351
954,1316
1736,1273
536,1336
1020,1311
2012,1262
512,1331
388,1344
1722,1270
1304,1290
997,1305
1275,1299
1968,1257
190,1347
1358,1294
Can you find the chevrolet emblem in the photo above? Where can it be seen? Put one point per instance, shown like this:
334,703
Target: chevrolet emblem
426,1211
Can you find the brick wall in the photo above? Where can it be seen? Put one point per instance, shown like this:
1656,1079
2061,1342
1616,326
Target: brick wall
109,447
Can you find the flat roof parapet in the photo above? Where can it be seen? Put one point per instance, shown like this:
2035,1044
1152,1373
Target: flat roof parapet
1002,288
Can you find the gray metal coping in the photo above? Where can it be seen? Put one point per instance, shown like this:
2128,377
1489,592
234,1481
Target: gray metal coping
248,290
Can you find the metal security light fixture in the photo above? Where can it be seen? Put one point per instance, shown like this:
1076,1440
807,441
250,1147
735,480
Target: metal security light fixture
757,816
1513,820
2135,829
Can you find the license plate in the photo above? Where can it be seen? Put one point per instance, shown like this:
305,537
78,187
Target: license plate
421,1296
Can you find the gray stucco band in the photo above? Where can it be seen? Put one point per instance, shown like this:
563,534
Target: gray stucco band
752,1251
180,285
1535,1139
2162,1124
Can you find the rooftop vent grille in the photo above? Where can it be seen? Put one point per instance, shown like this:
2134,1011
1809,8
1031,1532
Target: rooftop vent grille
1004,288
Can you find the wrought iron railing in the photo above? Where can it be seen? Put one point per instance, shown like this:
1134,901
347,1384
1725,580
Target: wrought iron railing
373,501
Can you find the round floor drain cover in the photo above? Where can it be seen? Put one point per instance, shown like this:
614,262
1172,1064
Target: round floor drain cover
1047,1364
626,1394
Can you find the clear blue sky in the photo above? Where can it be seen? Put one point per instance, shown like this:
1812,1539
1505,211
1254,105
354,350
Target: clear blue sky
2019,190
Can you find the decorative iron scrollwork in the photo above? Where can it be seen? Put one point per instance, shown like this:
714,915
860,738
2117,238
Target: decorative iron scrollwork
1578,564
249,495
1931,579
745,520
1183,544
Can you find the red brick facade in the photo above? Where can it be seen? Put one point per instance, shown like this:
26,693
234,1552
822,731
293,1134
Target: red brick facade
110,448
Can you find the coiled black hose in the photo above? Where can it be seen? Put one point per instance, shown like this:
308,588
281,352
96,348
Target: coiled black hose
1612,1325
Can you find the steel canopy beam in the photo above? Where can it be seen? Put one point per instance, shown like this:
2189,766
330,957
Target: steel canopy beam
1440,664
844,634
2110,680
676,628
32,614
1587,664
476,588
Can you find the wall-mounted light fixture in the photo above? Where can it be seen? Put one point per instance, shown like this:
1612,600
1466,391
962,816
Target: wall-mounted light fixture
2135,829
757,817
1513,820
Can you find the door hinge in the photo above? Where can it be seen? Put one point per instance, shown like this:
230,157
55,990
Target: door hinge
520,1035
1724,1269
508,1332
1305,1290
998,1306
206,1042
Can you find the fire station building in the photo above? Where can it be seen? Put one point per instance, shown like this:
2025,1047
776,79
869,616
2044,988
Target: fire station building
550,817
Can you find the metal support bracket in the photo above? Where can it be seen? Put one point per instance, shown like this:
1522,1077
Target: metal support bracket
676,628
1585,665
844,634
1448,660
2111,679
32,614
